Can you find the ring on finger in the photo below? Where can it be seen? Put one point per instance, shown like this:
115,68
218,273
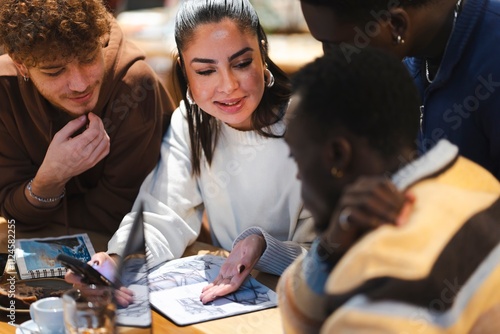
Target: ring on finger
344,219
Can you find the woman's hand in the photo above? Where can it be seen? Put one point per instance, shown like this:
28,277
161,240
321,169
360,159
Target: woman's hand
106,265
367,204
236,268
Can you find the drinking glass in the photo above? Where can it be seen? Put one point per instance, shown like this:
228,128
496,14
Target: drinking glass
89,310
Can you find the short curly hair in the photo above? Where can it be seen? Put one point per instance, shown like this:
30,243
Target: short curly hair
39,30
371,94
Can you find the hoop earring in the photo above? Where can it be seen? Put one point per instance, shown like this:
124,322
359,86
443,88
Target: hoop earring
189,98
269,74
337,173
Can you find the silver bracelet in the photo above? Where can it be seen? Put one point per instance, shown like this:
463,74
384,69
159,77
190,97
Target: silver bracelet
44,199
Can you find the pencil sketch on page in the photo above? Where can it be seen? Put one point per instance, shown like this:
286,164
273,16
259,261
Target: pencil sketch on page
176,287
136,279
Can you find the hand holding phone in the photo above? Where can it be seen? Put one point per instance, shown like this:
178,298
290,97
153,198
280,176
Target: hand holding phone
88,274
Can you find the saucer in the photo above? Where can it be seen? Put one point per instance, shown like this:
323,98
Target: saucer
50,287
29,325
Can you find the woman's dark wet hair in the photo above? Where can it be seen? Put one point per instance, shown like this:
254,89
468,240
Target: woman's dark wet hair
203,129
382,107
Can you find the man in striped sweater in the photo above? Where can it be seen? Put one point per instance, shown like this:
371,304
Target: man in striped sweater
438,269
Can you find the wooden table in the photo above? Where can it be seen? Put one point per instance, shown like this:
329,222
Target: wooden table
266,321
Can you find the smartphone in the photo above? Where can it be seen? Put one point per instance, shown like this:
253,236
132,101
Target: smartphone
88,274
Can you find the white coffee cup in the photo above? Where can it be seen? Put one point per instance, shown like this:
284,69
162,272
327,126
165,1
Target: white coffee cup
48,314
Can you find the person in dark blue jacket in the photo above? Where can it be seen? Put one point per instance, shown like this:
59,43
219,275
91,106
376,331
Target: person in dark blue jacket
451,49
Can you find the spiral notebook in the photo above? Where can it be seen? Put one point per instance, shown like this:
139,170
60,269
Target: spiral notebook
35,258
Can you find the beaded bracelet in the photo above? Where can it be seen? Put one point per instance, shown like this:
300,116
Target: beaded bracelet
43,199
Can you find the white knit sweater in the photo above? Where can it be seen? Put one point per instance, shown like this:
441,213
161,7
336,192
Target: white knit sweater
250,187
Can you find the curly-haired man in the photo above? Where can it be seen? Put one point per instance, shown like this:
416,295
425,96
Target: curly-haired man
82,116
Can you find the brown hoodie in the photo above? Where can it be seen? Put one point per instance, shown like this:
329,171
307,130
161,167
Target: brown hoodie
135,109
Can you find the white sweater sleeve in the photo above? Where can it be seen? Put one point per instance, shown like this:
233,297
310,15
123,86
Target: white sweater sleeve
278,255
172,204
